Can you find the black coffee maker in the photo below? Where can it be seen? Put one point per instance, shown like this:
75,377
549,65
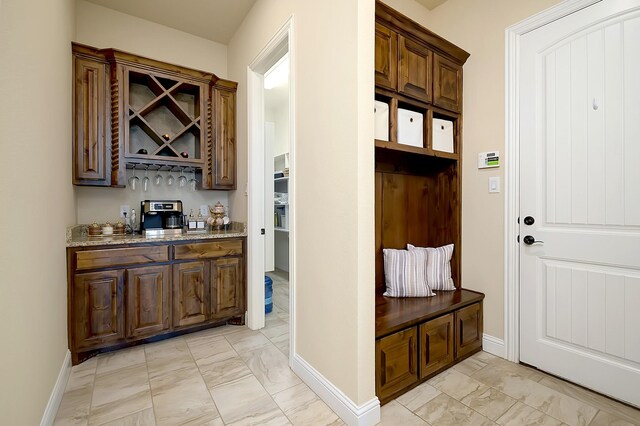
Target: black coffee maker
159,218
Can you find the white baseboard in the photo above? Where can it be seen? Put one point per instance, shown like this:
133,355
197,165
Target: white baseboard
58,390
493,345
367,414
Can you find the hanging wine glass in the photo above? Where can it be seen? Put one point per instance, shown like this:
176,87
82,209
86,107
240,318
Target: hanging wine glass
145,180
193,182
170,178
133,180
157,179
182,179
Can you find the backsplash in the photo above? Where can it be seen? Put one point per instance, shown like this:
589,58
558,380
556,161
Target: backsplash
103,204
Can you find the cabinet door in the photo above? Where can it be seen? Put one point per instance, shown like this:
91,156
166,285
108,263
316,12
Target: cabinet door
97,309
436,345
190,287
415,69
225,140
447,84
468,329
386,58
396,362
91,109
227,287
147,300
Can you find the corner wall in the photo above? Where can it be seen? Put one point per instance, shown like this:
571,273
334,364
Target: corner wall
38,201
334,172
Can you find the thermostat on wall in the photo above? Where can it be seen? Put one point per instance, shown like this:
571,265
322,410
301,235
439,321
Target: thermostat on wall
488,160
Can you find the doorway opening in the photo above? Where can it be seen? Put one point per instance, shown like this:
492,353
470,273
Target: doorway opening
271,224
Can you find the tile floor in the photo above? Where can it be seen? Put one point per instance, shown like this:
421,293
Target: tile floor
231,375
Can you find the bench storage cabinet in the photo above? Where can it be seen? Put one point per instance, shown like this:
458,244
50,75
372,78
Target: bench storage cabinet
417,338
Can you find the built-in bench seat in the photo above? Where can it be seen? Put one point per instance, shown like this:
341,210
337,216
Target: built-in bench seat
418,337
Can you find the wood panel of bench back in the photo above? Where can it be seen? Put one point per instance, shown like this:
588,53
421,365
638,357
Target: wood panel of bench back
416,202
396,313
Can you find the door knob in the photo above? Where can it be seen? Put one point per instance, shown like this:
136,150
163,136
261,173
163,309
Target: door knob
529,240
529,220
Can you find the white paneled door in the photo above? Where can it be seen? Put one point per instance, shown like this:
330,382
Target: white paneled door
580,198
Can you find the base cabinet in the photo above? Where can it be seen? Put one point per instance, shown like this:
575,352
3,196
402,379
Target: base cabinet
189,289
97,309
468,329
396,362
147,300
436,345
417,353
121,296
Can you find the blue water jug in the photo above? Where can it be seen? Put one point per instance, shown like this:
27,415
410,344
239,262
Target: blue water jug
268,294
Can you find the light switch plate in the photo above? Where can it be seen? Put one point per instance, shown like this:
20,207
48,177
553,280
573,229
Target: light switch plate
494,184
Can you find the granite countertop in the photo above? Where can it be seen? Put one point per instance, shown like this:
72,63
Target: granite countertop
77,236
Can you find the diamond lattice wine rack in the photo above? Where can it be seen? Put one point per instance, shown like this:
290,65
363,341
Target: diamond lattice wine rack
166,123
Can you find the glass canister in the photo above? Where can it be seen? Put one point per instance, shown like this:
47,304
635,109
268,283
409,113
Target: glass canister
217,213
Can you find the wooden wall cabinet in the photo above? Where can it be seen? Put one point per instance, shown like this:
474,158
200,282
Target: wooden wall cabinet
91,132
123,295
386,57
447,83
225,131
415,69
134,110
396,362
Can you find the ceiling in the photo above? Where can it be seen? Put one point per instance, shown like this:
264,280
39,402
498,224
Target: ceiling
214,20
431,4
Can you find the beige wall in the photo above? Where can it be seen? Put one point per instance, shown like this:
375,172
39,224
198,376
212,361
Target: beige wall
102,27
35,188
478,27
334,263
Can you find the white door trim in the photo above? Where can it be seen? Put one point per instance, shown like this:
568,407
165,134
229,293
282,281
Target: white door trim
279,44
512,171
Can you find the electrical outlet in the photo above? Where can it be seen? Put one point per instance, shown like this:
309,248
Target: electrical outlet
204,210
124,209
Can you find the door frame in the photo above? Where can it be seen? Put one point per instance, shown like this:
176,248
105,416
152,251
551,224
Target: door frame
281,43
512,170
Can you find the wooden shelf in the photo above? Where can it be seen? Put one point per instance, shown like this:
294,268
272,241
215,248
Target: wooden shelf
393,146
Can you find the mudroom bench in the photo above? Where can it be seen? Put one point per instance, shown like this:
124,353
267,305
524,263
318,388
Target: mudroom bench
418,337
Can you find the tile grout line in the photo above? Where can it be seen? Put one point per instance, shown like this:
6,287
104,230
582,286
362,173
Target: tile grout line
202,377
146,365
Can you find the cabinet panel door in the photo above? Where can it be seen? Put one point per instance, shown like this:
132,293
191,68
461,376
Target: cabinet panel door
415,69
227,287
190,287
396,362
447,84
90,124
98,311
436,344
386,57
468,329
225,141
147,305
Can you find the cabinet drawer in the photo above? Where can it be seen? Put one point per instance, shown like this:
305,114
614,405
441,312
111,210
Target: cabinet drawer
208,250
104,258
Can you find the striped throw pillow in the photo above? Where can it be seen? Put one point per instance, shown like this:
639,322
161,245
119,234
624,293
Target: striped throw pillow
404,275
437,266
